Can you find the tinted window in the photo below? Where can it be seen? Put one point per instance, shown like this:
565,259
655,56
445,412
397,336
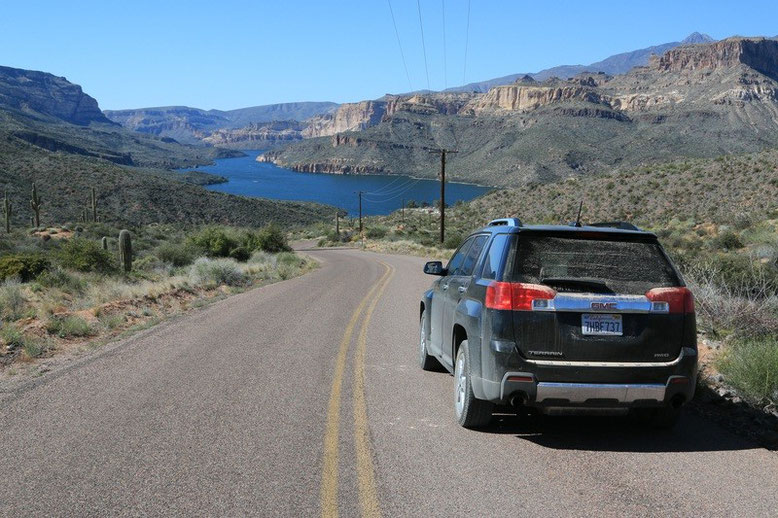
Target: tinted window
593,265
494,257
472,256
458,257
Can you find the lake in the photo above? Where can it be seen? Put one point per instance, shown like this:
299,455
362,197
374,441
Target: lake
382,194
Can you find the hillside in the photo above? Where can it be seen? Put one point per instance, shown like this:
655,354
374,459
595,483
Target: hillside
54,134
695,101
192,125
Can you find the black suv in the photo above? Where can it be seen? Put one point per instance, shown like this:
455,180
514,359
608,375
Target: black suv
556,317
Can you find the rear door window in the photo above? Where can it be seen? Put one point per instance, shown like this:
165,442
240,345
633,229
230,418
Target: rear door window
458,257
472,256
590,265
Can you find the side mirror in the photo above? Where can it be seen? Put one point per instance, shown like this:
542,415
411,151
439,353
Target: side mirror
434,268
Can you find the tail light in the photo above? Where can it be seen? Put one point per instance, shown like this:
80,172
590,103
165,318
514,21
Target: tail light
518,296
671,300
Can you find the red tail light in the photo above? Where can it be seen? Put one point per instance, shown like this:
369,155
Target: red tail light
679,300
516,296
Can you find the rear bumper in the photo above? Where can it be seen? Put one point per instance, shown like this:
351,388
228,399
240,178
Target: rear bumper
616,385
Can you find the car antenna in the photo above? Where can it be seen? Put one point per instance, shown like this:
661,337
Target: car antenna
578,219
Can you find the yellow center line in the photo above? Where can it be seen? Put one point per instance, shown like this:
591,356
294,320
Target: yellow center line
368,495
329,477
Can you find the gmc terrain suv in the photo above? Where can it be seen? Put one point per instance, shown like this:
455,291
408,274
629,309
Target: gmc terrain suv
561,317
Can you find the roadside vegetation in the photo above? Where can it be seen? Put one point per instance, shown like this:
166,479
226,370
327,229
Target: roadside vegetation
717,218
65,286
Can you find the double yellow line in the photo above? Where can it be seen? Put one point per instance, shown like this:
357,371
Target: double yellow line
368,495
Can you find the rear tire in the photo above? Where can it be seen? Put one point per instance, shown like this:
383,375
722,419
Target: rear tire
426,362
470,412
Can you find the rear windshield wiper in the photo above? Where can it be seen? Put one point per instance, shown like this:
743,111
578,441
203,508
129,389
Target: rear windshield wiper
574,281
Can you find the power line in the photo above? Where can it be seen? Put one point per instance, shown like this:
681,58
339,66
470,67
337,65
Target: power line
467,38
443,11
423,47
402,54
397,195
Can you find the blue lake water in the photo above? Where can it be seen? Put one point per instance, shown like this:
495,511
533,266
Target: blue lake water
382,194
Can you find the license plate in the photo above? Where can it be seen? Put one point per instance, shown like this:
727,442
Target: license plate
601,324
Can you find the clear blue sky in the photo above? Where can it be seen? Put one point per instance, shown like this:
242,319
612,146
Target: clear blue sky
230,54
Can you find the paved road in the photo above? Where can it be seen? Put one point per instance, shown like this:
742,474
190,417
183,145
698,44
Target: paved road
303,398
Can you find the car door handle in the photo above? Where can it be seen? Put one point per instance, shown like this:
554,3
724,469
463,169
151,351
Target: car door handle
444,287
462,289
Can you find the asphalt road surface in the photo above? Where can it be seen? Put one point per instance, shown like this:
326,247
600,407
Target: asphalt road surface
304,398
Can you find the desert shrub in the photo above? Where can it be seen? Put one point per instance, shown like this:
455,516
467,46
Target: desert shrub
260,257
453,240
182,254
34,348
240,253
13,303
24,267
214,241
62,279
86,255
11,336
213,272
69,326
751,366
272,239
746,308
375,232
727,240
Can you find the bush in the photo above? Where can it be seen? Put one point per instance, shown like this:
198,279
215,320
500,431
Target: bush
68,326
751,366
453,240
11,336
375,232
240,253
24,267
61,279
727,240
272,239
213,272
13,304
85,255
214,241
182,254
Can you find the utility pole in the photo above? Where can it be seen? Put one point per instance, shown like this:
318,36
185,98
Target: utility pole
402,213
442,190
360,211
337,224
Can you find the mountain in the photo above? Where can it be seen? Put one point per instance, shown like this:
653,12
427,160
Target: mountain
616,64
54,134
699,100
192,125
34,92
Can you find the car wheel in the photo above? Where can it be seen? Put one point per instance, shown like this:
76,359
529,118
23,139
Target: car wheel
427,362
470,412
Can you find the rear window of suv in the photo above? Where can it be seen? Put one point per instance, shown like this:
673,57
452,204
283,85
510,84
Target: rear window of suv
577,264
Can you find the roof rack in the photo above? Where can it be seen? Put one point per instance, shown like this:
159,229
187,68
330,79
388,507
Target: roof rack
623,225
508,222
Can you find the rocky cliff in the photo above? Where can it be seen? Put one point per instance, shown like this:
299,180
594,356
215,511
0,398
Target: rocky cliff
759,54
697,100
43,93
257,136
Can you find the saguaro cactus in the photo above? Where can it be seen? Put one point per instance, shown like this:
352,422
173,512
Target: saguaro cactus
104,243
35,205
7,212
94,205
125,250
